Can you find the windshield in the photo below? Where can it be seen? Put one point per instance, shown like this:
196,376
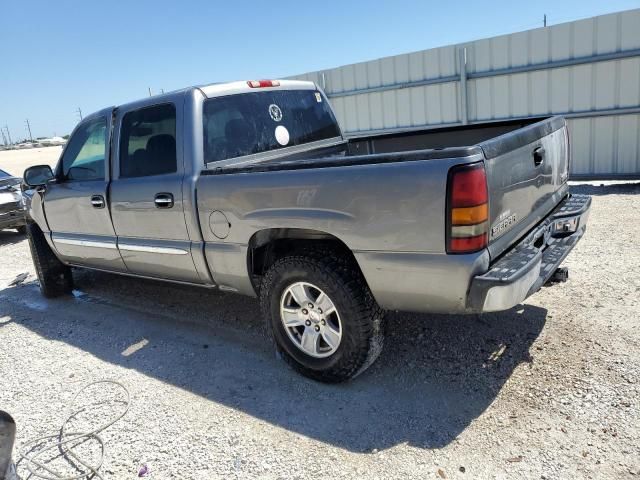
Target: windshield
256,122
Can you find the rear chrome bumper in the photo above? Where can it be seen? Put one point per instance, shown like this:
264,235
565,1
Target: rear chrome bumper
528,266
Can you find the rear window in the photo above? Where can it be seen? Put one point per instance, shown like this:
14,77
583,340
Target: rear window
4,174
256,122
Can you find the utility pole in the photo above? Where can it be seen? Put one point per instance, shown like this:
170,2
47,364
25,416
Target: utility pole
149,91
4,139
79,112
6,127
29,128
545,20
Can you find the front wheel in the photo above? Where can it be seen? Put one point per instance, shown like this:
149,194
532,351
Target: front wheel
55,277
321,315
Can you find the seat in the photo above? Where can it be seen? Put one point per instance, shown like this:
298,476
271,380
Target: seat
161,155
136,166
240,138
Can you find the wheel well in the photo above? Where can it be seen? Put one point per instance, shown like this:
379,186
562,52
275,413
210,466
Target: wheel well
268,246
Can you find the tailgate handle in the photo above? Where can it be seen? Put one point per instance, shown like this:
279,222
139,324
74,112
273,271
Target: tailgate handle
538,156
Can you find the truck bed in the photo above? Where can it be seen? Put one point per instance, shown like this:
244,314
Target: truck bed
521,191
457,136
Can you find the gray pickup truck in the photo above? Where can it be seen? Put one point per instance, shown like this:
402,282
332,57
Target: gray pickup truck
251,187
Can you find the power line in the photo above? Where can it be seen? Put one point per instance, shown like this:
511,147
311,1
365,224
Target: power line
29,128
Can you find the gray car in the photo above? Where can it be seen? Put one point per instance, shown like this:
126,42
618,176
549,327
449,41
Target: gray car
251,187
11,204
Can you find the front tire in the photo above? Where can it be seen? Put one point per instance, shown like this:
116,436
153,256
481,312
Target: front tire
54,276
331,345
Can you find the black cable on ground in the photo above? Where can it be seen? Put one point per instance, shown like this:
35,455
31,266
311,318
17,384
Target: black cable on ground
39,453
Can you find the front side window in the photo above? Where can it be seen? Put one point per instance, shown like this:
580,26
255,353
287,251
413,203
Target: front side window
84,157
257,122
148,142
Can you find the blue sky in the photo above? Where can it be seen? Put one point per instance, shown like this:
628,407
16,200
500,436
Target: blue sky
58,55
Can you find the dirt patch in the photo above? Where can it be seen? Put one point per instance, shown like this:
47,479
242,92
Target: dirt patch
16,161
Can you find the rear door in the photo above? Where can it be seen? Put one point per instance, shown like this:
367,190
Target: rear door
76,204
527,172
146,192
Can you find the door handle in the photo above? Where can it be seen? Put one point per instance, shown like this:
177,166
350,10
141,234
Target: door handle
97,201
538,156
164,200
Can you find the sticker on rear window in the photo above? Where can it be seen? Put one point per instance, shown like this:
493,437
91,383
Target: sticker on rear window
318,97
275,113
282,135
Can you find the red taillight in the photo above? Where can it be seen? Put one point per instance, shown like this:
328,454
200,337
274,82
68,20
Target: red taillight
467,209
263,83
468,186
468,244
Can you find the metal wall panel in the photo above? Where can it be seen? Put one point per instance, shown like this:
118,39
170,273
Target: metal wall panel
587,70
602,145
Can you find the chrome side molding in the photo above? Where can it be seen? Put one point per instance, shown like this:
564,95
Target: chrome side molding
151,249
84,243
129,247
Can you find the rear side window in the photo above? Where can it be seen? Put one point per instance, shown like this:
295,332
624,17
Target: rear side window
148,142
257,122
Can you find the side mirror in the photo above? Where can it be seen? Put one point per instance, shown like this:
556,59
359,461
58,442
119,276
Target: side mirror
37,176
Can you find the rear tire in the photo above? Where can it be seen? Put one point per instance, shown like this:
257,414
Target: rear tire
359,318
22,229
55,277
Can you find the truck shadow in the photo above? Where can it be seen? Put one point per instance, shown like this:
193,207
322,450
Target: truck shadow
436,375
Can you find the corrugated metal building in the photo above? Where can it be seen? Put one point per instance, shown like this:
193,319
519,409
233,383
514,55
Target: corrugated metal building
587,70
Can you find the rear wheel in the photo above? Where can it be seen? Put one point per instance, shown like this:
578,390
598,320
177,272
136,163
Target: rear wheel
54,276
22,229
321,315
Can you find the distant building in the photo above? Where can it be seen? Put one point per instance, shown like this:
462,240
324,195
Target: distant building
48,142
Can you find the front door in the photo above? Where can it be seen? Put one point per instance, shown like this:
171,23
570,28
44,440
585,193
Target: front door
76,204
146,193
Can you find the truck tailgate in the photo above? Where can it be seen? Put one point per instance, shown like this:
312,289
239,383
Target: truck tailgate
527,172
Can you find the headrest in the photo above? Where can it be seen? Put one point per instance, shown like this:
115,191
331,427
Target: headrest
161,143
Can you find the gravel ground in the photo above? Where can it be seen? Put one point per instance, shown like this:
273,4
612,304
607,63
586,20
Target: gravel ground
546,390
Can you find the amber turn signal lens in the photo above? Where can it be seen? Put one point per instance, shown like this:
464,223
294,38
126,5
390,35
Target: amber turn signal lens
469,215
